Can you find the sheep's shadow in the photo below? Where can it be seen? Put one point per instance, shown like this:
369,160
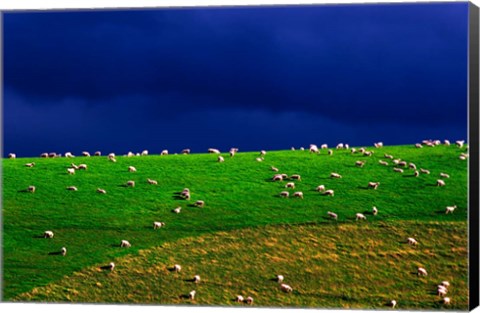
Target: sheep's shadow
190,280
105,268
362,187
115,245
123,185
184,296
440,212
409,176
178,197
171,269
38,236
55,253
24,190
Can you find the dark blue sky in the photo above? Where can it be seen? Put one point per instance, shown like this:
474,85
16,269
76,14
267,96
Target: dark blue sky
250,77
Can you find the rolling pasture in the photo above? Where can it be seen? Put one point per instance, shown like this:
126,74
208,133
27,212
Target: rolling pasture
244,235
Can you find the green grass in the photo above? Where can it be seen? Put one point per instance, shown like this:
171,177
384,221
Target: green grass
238,193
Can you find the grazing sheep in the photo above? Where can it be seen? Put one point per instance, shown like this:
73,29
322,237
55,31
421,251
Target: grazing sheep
31,189
378,144
177,268
445,283
388,156
130,183
63,251
298,194
71,171
144,152
152,182
259,159
48,234
220,159
402,163
72,188
290,185
82,167
424,171
103,191
284,194
130,154
30,164
398,170
368,153
292,148
320,188
164,152
444,175
112,159
446,142
412,166
177,210
200,203
450,209
157,225
302,149
329,192
339,146
362,150
440,183
324,146
132,169
353,150
212,150
360,216
286,288
249,300
97,153
347,146
335,175
314,148
12,156
412,241
111,266
360,163
421,271
296,177
441,291
416,173
196,278
85,154
75,167
383,162
185,151
278,177
232,153
44,155
393,303
263,152
373,185
239,298
459,143
280,278
463,157
374,211
274,169
125,244
69,155
418,145
330,152
446,300
332,215
52,155
111,155
396,161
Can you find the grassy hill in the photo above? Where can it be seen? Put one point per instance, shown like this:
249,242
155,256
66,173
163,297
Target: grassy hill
241,202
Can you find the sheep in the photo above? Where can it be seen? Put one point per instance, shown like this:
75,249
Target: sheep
418,145
290,185
360,163
144,152
373,185
12,156
69,155
74,166
298,194
112,159
292,148
388,156
383,162
177,268
320,188
450,209
232,153
459,143
446,300
313,149
396,161
130,154
72,188
177,210
263,152
125,244
412,166
286,288
31,189
164,152
360,216
362,150
32,164
274,169
445,283
111,266
424,171
152,182
63,251
330,152
339,146
220,159
402,163
44,155
102,191
378,144
353,150
249,300
279,278
284,194
85,154
185,151
212,150
440,183
52,155
111,155
302,149
97,153
421,271
259,159
132,169
463,157
329,192
239,298
441,291
446,142
196,279
444,175
157,225
416,173
82,167
398,170
324,146
412,241
48,234
335,175
71,171
130,183
374,211
296,177
368,153
332,215
200,203
278,177
393,303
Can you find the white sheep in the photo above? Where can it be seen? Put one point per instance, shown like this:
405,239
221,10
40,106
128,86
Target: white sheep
442,291
383,162
75,167
71,171
286,288
373,185
63,251
239,298
378,144
12,156
220,159
48,234
112,159
339,146
368,153
284,194
412,166
132,169
72,188
177,210
398,170
111,266
200,203
274,169
212,150
421,271
313,149
31,189
450,209
196,278
249,300
446,142
412,241
320,188
263,152
130,154
111,155
69,155
444,175
82,167
424,171
416,173
298,194
102,191
97,153
330,152
125,244
296,177
144,152
335,175
280,278
329,192
393,303
290,185
157,225
232,153
418,145
360,216
44,155
85,154
402,163
332,215
446,300
278,177
445,283
388,156
324,146
459,143
259,159
177,268
374,211
353,150
152,182
440,183
32,164
164,152
360,163
130,183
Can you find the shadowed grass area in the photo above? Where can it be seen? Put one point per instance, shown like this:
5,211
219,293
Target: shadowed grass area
338,265
238,193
